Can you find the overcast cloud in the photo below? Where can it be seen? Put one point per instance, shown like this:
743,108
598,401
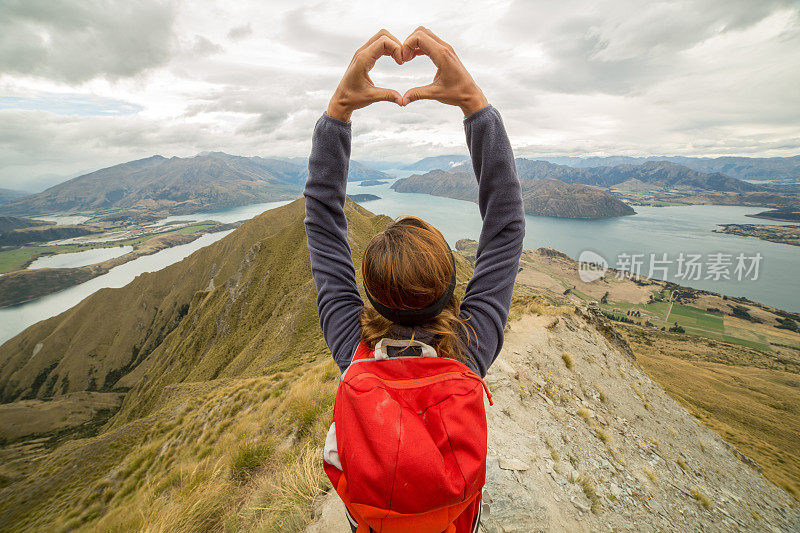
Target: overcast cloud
86,84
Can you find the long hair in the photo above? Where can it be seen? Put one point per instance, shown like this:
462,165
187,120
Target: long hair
408,266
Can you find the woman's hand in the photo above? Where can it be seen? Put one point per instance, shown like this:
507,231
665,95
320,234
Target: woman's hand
356,89
452,84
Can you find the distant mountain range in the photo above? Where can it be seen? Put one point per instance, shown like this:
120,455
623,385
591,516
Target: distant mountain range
439,162
563,191
546,197
743,168
9,195
660,174
212,180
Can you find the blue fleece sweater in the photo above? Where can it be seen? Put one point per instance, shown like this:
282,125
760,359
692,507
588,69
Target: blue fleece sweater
488,293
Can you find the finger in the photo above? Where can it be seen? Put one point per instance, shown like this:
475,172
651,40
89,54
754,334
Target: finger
425,92
383,46
423,41
382,33
379,94
435,37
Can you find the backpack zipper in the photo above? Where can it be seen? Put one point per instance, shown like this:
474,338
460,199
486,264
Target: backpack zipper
420,382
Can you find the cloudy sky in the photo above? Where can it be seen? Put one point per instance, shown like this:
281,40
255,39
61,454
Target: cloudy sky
90,83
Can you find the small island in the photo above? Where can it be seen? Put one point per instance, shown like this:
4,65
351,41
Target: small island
372,183
766,232
359,198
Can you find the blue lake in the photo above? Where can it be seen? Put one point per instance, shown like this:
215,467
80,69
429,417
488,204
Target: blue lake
653,230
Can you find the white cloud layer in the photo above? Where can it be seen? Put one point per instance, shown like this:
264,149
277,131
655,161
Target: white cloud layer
90,83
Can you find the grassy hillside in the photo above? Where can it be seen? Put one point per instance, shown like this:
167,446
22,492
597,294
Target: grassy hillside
199,427
755,409
228,386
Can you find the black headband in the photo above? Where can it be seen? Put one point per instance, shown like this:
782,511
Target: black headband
410,317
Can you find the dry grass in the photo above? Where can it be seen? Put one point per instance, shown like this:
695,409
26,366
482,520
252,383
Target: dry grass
755,409
602,434
287,498
568,361
589,490
584,413
249,457
601,394
702,499
650,474
221,469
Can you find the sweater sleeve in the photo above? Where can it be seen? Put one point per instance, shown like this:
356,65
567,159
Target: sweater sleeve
338,301
488,295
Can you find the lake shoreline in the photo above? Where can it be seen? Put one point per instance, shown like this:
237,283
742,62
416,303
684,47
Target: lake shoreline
28,285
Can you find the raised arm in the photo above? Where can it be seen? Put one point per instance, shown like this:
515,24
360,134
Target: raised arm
488,295
338,301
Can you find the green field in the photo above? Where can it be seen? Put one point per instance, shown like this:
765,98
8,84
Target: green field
18,258
694,320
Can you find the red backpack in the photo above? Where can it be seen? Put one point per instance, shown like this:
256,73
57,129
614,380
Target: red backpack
407,448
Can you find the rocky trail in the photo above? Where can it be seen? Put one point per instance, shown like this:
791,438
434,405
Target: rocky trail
580,439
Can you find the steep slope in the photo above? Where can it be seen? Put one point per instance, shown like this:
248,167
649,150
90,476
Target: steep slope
359,172
558,199
227,383
546,197
580,439
110,333
460,184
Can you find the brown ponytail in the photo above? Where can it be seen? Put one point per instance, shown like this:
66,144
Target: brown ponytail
408,266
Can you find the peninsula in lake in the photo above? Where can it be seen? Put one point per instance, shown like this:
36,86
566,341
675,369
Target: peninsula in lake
546,197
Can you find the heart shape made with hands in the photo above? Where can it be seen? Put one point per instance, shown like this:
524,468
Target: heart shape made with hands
451,83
